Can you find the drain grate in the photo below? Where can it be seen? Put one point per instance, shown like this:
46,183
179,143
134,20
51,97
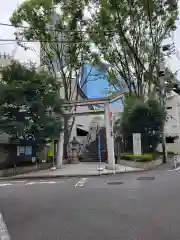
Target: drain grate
114,183
146,178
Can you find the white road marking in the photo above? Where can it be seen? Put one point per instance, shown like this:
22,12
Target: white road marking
81,182
49,182
16,183
30,183
5,184
172,170
4,235
40,182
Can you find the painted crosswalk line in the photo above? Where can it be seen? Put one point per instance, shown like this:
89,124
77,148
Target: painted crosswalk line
40,182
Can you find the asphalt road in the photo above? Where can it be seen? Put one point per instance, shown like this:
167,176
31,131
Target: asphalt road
100,208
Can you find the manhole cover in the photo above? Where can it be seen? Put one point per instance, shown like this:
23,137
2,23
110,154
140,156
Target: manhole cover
114,183
146,178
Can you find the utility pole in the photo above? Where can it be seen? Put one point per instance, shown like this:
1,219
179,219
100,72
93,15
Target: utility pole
162,72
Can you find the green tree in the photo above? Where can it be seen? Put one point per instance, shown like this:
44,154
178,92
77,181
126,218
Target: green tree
63,44
146,118
129,35
30,106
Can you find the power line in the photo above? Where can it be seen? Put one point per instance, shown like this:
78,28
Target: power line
37,41
54,29
8,43
171,117
62,41
58,30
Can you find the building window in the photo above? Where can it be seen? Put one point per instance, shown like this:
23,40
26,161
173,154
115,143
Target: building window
169,108
24,150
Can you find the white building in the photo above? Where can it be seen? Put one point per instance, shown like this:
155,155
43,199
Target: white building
172,125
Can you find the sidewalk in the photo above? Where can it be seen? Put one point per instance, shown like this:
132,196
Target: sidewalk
75,170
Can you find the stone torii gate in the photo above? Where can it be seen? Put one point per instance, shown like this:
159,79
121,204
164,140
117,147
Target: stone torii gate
106,101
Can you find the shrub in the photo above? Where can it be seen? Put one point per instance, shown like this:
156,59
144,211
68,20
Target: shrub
138,158
146,118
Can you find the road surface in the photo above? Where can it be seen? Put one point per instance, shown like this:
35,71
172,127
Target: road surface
100,208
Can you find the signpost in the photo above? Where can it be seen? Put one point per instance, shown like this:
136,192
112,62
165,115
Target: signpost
137,144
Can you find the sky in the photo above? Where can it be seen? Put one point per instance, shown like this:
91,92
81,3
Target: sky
6,10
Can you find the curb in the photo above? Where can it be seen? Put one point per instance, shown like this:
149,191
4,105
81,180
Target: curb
147,166
69,175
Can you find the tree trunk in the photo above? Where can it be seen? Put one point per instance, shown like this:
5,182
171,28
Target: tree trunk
66,138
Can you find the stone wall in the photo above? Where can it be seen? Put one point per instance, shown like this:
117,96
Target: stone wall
20,170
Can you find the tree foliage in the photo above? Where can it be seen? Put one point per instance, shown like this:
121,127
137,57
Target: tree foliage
30,106
129,35
57,26
145,118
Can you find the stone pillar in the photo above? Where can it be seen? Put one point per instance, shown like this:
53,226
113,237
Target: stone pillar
59,159
109,137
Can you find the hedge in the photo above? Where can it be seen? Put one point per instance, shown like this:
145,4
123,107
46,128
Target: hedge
138,158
